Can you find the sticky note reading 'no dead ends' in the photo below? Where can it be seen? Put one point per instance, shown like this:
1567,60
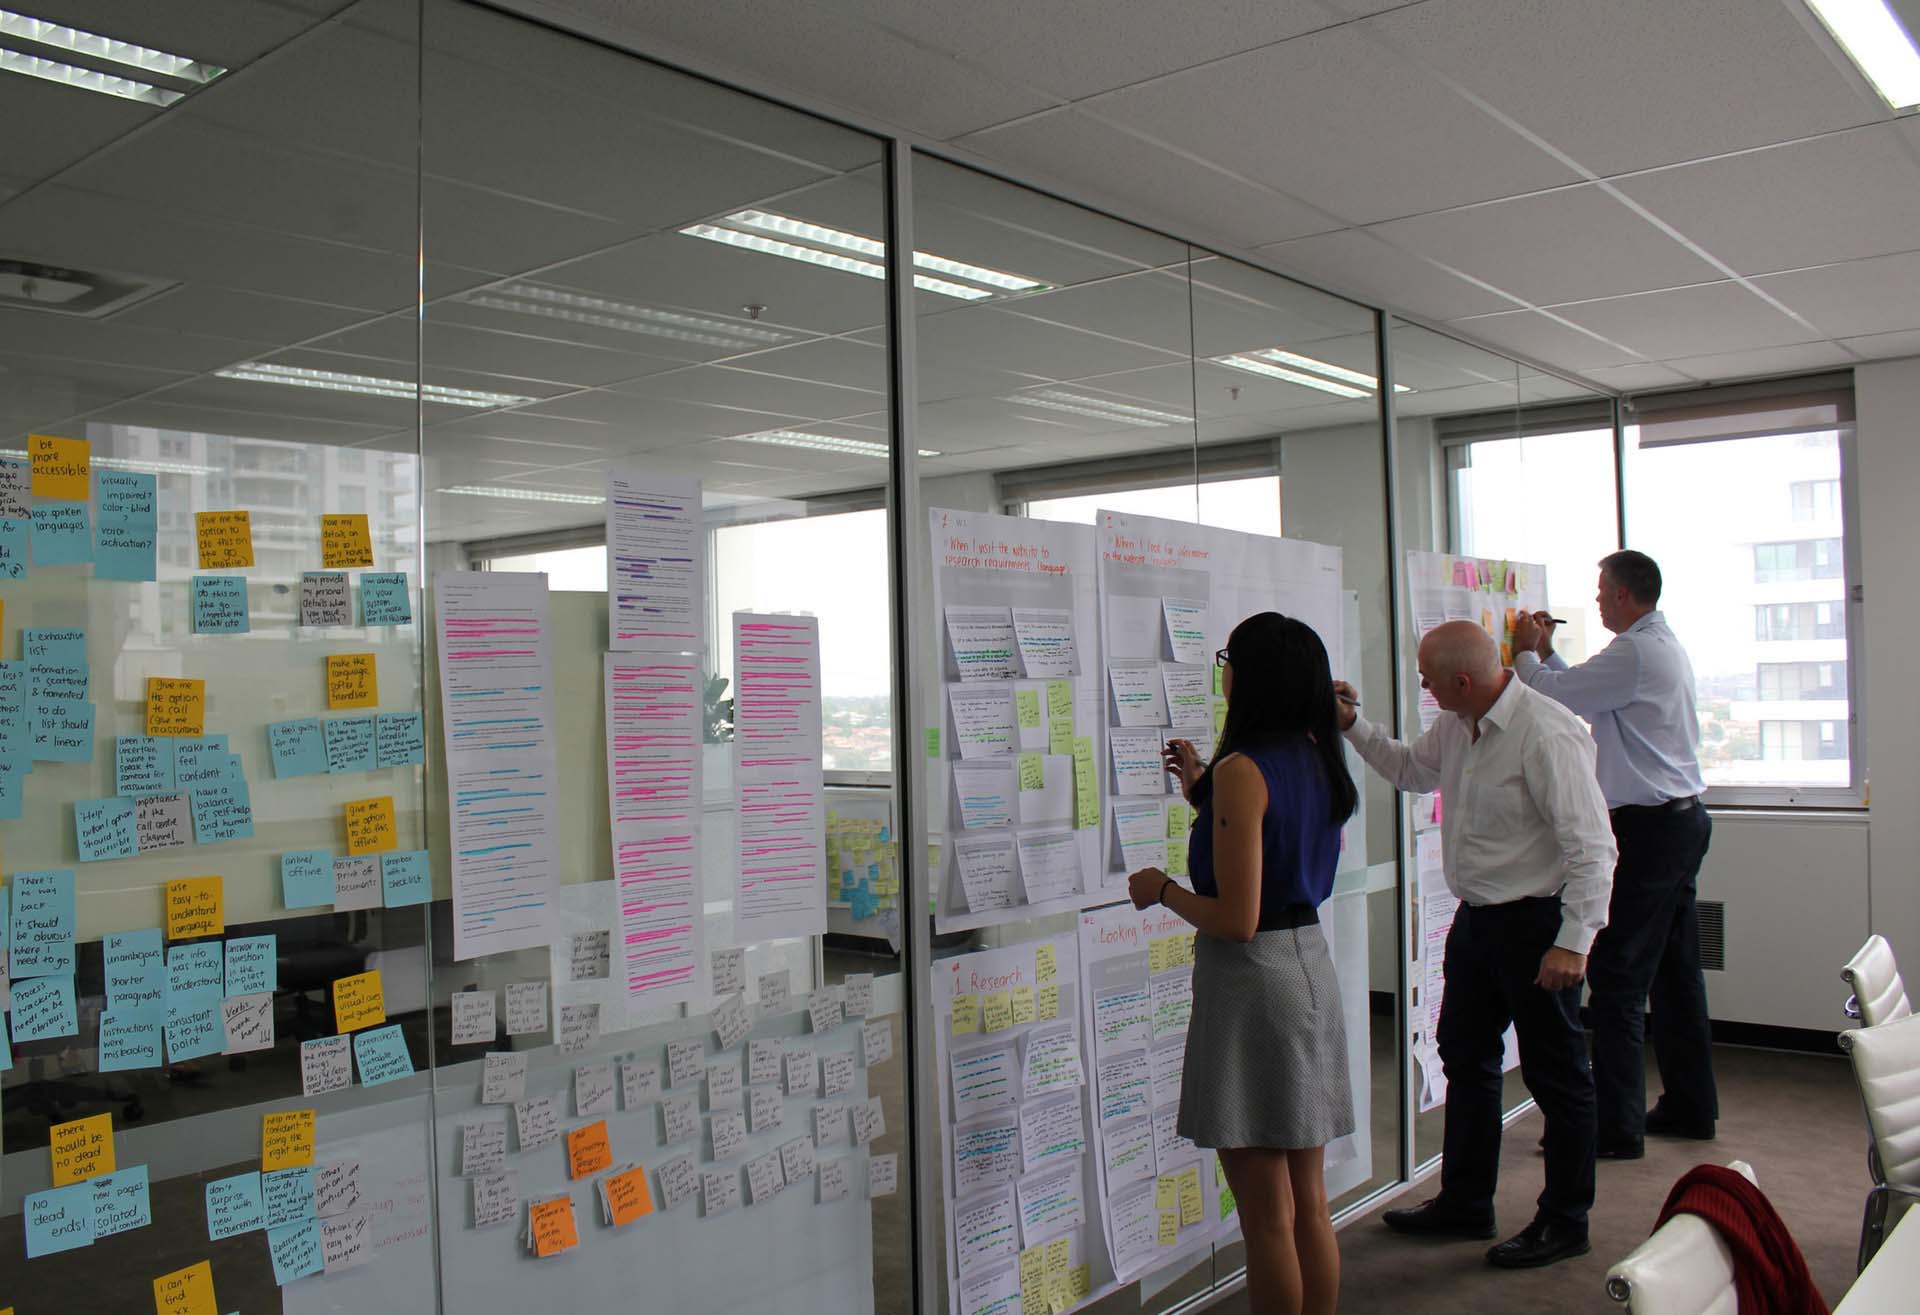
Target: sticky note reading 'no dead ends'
82,1149
176,706
226,539
196,906
344,541
352,681
370,826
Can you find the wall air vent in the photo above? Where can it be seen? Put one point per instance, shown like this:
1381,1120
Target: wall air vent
1713,935
25,285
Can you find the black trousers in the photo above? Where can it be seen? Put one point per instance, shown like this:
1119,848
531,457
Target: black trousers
1493,957
1651,947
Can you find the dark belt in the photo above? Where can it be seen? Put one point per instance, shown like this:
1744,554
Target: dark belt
1288,916
1682,805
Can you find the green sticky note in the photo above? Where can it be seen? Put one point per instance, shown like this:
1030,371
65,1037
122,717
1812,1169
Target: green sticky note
1219,717
1033,772
1060,737
1177,858
933,741
1177,823
1060,701
1218,672
1026,707
1086,799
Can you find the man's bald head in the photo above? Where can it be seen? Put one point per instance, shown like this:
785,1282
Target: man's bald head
1460,648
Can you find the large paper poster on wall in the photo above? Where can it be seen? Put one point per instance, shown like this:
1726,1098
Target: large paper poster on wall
1013,753
778,786
656,562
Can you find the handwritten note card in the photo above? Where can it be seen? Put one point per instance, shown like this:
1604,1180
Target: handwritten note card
352,681
196,906
176,706
345,541
225,538
370,825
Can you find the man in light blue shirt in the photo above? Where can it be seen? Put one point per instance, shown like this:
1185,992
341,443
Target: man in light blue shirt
1637,693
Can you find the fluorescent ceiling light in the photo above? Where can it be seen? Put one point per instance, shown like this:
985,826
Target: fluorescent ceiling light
1272,371
816,244
333,381
106,49
1872,36
857,447
1305,370
523,495
86,79
1100,408
130,463
576,308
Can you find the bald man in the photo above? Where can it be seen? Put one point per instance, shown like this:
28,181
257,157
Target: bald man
1529,854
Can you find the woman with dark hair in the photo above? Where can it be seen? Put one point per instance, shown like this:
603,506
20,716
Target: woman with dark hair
1265,1079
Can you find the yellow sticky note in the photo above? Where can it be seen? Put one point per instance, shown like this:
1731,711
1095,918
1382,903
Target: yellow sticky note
966,1014
1033,1277
1048,1005
370,828
628,1197
589,1150
1033,772
1169,1227
1178,823
345,541
1186,946
551,1223
1060,737
1190,1211
1026,708
196,906
1046,964
1159,952
358,1002
1166,1192
933,741
186,1291
1080,1282
176,706
1060,702
1219,673
1022,1005
62,467
998,1011
1219,717
1059,1256
1086,796
1176,858
226,539
81,1149
286,1140
352,681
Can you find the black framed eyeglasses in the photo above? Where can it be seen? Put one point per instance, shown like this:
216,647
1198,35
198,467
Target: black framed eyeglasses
1220,658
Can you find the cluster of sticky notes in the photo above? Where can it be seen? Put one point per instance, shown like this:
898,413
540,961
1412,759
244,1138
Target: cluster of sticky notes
16,518
866,859
1168,952
91,1197
225,539
352,681
1049,1280
169,789
39,909
312,746
62,481
326,599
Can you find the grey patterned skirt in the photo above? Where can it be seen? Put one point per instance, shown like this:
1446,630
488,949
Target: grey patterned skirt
1267,1046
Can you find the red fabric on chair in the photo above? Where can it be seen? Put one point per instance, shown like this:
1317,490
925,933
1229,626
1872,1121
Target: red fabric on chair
1769,1274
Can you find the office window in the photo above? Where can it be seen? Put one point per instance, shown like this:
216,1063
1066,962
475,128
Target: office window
583,569
1252,505
1816,500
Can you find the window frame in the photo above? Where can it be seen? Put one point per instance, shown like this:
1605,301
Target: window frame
1218,463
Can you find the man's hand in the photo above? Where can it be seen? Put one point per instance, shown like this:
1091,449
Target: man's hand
1559,969
1346,704
1144,887
1533,631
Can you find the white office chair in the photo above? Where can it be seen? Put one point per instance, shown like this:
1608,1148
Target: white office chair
1886,1064
1683,1269
1879,996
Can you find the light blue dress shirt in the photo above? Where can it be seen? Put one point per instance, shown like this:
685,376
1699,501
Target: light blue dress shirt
1637,693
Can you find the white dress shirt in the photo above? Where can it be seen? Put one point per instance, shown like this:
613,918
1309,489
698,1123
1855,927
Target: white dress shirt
1638,693
1521,813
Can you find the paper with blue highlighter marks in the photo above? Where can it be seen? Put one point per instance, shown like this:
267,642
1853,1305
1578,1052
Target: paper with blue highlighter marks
196,1035
234,1207
222,812
103,828
405,878
41,923
62,731
14,770
43,1008
382,1055
131,1039
298,748
62,534
220,605
306,878
350,744
135,968
253,964
384,600
402,738
58,1220
203,760
142,765
121,1202
295,1250
287,1195
196,978
15,537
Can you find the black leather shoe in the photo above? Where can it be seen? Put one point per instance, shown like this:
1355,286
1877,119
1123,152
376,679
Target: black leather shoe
1435,1218
1542,1242
1662,1124
1621,1150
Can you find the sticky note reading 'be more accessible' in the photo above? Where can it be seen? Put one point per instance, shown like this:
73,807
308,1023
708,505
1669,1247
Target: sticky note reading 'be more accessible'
62,467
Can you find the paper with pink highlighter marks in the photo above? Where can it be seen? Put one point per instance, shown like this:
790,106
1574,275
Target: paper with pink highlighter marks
653,798
777,784
496,703
656,575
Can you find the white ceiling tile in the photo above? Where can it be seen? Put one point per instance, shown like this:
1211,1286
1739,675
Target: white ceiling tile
1629,84
197,308
1533,334
1564,245
1629,378
1856,297
1812,202
511,355
1355,262
718,386
71,124
844,361
42,391
224,32
48,335
1150,310
1764,360
1699,321
1884,346
1348,127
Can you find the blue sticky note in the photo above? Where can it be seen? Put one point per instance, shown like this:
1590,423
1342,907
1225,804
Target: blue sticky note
405,878
233,1206
350,744
14,538
190,1036
384,600
126,494
287,1195
382,1055
298,747
57,682
253,964
57,647
125,550
220,605
42,923
135,968
58,1220
103,828
296,1251
142,765
222,812
131,1039
14,734
402,739
62,534
120,1201
204,760
14,770
62,731
306,878
6,1046
43,1008
196,977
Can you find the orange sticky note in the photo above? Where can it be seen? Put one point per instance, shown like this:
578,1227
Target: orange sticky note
370,828
628,1197
176,706
352,681
286,1140
588,1150
358,1002
186,1291
345,541
82,1149
196,906
553,1230
226,539
62,467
